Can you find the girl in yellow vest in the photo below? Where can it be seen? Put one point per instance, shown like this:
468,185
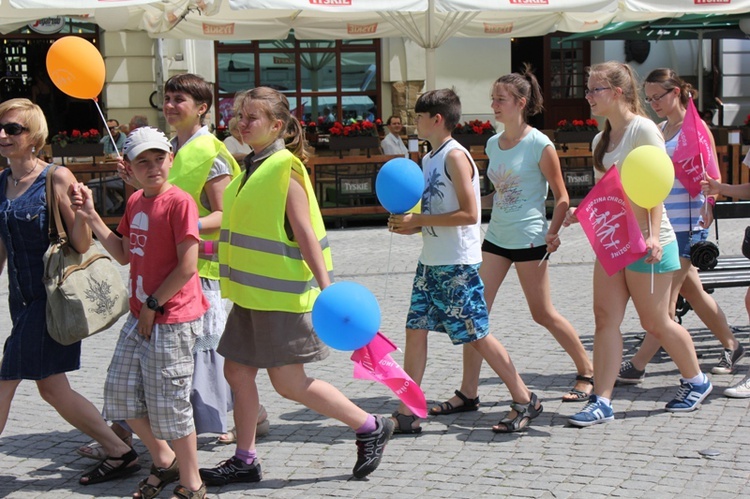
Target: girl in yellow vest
274,261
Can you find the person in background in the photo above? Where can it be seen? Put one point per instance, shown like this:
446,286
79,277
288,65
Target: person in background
690,217
273,268
612,92
29,352
392,144
234,143
136,122
523,166
114,129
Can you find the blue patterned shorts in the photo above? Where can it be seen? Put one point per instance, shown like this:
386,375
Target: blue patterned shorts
449,299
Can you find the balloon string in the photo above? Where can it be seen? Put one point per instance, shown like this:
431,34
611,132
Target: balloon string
652,265
387,271
104,120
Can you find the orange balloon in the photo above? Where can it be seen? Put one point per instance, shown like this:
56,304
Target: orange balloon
76,67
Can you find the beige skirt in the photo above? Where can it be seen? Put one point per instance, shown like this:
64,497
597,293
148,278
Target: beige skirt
270,339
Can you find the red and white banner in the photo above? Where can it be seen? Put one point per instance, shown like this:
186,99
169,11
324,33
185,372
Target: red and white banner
610,225
693,154
373,362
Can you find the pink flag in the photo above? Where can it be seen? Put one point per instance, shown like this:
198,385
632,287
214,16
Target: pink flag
373,362
610,225
693,155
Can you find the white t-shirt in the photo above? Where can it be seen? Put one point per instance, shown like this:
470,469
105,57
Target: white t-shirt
640,131
234,146
392,144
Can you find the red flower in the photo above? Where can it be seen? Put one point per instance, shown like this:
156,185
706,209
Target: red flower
474,127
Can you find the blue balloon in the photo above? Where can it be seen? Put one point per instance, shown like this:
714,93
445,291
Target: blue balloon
346,316
399,185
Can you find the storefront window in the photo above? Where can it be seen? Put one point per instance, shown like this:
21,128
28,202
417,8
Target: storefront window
321,78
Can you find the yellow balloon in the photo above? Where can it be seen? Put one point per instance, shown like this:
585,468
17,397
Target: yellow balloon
76,67
647,175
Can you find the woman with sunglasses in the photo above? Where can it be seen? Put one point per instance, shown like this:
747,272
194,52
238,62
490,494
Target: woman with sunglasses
669,95
612,92
30,353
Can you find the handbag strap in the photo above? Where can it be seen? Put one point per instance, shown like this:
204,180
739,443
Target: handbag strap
57,232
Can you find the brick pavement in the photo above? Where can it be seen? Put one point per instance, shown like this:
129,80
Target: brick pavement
646,452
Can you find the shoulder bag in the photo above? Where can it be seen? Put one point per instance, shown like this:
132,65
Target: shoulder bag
85,293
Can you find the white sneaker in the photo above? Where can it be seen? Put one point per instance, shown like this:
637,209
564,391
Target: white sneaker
739,391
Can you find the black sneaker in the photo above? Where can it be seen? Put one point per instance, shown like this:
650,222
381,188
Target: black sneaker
629,375
231,471
728,360
370,447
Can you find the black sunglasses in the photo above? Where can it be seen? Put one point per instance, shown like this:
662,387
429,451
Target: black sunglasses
13,128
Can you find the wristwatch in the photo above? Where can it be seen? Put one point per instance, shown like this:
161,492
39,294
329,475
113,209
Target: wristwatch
153,304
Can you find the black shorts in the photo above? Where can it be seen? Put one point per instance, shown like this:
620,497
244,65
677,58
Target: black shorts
515,255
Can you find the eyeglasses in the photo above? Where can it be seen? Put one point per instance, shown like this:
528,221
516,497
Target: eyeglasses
13,128
592,91
658,98
113,128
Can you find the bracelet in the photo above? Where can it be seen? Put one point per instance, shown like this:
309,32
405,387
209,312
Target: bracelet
200,225
208,247
711,201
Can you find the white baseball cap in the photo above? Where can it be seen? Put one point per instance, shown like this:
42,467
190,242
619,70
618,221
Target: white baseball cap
145,138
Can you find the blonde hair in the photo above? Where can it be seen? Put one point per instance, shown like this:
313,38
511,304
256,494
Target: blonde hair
615,75
32,118
276,106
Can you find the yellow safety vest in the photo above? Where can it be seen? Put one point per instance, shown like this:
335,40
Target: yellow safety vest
189,171
260,267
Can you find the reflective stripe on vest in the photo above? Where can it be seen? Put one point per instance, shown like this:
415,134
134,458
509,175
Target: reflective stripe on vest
260,267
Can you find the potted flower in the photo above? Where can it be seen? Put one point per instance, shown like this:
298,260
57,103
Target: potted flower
473,133
573,131
77,143
358,135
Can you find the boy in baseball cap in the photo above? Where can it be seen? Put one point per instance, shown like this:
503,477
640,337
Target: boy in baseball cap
151,371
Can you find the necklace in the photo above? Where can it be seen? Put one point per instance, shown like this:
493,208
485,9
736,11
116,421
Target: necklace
17,180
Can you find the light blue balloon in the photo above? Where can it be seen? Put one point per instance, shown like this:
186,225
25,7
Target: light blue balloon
346,316
399,185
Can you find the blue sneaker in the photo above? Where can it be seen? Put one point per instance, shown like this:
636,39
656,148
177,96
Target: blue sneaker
594,412
689,396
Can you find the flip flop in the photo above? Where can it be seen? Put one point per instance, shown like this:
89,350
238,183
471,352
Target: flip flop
448,408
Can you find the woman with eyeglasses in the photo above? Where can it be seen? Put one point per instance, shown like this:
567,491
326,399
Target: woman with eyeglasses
30,353
669,95
613,94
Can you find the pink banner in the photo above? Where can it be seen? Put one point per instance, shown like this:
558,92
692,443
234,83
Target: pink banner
610,225
693,155
373,362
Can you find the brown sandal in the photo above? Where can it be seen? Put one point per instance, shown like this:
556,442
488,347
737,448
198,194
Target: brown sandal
165,476
185,493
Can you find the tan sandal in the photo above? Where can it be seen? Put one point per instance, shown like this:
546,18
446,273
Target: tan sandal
94,450
261,429
183,492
